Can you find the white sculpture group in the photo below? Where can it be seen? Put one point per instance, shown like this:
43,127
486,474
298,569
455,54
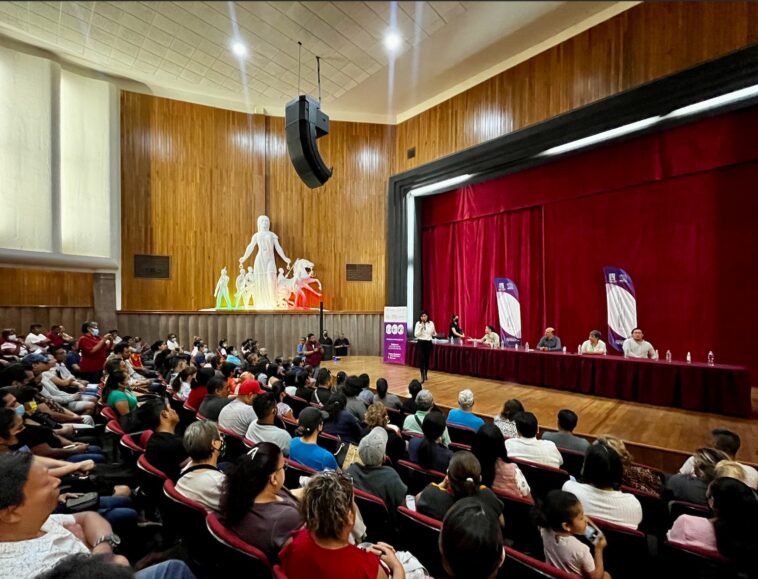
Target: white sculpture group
262,284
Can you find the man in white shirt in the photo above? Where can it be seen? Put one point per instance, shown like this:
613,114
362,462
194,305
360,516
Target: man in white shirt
36,342
201,480
594,345
636,347
263,429
728,442
238,414
527,447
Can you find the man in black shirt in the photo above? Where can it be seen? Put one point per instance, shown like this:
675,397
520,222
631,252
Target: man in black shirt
165,450
217,398
341,345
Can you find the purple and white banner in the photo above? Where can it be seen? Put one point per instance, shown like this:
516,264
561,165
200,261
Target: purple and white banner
622,306
509,311
395,334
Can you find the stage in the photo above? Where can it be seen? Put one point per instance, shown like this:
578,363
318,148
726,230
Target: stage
661,429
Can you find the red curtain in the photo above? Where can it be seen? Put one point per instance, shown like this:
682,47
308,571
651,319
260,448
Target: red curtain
676,210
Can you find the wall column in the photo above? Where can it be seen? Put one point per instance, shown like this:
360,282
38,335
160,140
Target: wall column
104,296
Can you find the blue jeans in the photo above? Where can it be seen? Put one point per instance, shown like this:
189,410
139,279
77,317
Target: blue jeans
118,511
172,569
93,453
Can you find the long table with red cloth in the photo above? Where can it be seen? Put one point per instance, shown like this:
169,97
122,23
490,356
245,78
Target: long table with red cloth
721,389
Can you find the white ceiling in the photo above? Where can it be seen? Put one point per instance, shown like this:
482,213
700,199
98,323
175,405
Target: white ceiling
182,49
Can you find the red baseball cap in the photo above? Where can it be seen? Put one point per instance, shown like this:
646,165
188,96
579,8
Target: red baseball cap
249,387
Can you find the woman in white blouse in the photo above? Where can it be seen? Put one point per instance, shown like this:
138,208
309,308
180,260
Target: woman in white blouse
424,332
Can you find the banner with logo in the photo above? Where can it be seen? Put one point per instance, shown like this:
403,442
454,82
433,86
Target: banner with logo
395,334
509,311
622,306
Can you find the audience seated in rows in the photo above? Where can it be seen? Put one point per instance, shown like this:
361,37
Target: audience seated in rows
165,449
201,480
635,476
728,442
255,504
471,541
409,404
376,415
527,446
383,397
322,550
424,406
693,487
340,422
463,479
565,438
599,494
372,476
263,429
560,517
239,414
33,541
498,472
731,531
505,421
463,416
304,448
428,451
216,399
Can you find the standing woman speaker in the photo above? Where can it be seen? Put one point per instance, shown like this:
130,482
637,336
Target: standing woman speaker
424,333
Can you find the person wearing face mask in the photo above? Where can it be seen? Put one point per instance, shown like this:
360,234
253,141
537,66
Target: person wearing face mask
173,343
455,332
201,480
94,350
10,345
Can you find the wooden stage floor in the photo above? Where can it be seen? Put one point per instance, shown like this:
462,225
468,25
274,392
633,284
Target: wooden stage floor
669,428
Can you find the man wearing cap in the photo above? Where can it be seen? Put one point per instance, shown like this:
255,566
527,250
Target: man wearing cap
424,405
372,476
463,416
238,414
305,449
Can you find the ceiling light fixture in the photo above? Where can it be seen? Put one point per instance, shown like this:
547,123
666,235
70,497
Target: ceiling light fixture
239,49
392,40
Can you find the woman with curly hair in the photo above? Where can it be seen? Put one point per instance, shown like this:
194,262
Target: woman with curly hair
255,504
635,476
376,415
322,550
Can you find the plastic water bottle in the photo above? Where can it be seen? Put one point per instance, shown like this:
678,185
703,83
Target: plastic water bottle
668,355
689,358
564,349
451,339
579,349
515,346
526,347
657,355
711,359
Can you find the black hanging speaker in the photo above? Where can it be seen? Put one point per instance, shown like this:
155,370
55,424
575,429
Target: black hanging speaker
304,123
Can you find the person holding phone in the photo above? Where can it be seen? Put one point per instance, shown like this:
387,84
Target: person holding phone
424,332
561,517
94,350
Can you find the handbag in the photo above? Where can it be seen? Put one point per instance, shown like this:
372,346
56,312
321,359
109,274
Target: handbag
86,502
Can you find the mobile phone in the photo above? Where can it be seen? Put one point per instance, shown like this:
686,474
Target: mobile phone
410,502
592,533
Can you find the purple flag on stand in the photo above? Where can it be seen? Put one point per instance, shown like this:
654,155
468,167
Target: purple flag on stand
395,334
622,306
509,311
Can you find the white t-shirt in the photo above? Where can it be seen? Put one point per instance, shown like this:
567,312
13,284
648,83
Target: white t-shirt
202,485
634,349
598,348
33,343
22,559
611,506
567,552
534,450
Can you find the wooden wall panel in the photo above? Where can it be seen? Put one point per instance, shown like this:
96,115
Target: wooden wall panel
649,41
32,287
342,222
278,332
192,185
71,317
194,180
